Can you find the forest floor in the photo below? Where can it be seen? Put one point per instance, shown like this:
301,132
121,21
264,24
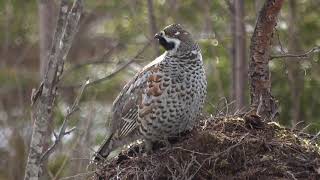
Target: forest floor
224,148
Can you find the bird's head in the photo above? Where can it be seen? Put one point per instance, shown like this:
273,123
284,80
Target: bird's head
174,38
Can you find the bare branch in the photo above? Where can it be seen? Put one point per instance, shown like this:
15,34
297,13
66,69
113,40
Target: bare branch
304,55
104,58
123,66
70,131
63,131
55,134
279,41
79,175
216,155
315,137
118,69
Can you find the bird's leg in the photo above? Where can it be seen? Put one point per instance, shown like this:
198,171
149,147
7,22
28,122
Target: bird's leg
140,148
148,146
167,142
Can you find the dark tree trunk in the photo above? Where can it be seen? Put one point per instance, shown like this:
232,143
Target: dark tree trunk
153,26
262,102
239,63
295,74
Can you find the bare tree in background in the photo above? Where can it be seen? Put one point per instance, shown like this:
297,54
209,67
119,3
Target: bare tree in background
43,99
153,26
7,17
239,63
262,102
295,73
46,9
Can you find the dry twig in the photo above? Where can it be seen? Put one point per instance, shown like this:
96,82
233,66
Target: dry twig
63,130
121,67
301,56
118,69
104,58
78,175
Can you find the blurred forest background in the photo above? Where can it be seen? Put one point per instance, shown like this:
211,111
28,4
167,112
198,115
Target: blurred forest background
113,43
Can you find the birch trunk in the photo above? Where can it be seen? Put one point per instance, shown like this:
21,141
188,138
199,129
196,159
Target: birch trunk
43,98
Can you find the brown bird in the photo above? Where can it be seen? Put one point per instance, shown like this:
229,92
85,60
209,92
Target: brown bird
163,99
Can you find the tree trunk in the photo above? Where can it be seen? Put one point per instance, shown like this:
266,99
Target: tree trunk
262,102
43,98
295,74
153,27
239,63
46,13
7,18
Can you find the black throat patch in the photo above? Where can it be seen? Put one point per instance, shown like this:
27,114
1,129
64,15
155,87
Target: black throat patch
166,45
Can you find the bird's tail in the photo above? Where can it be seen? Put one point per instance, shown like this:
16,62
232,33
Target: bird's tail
105,149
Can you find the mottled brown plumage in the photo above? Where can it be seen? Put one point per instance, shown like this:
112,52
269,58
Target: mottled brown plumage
163,99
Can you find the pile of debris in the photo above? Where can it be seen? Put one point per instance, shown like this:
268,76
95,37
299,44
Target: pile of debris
224,148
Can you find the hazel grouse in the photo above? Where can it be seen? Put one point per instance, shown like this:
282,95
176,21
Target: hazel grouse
163,99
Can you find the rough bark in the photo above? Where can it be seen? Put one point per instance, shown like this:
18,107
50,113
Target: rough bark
239,63
43,98
262,102
46,11
295,74
153,26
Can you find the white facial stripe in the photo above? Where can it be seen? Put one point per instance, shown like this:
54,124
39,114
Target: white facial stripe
175,41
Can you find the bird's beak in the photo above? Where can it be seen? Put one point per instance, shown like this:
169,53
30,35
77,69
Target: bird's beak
157,36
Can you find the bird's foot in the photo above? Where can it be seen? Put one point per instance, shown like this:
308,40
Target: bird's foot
148,146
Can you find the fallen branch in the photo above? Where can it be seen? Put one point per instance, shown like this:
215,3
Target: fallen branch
78,175
304,55
63,130
216,155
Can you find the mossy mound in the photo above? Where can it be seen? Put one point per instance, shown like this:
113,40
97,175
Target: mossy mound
224,148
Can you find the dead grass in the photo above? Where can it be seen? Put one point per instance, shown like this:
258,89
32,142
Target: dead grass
224,148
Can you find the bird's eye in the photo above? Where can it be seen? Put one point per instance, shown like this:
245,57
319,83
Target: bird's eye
161,33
